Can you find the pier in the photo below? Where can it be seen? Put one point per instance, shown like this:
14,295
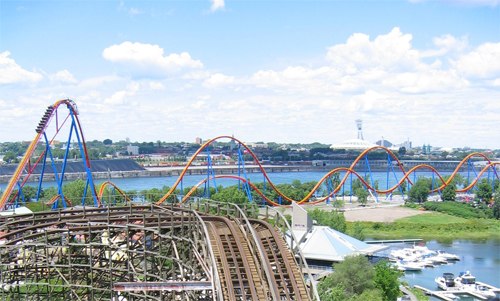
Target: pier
450,294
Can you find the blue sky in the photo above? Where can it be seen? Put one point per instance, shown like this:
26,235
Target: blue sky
285,71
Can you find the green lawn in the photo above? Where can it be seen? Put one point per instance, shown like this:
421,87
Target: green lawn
437,226
433,218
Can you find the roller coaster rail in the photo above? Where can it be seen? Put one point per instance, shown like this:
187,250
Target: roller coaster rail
266,213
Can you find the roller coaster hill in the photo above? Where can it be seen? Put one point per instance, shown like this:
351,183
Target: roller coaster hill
178,248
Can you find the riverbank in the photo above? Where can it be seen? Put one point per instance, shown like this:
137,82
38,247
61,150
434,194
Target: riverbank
431,226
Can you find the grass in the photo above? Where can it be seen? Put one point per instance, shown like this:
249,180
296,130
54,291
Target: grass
433,219
438,226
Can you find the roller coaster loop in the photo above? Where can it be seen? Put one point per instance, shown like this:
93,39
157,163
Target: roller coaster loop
26,167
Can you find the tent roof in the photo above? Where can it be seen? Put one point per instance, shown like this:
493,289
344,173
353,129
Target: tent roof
324,243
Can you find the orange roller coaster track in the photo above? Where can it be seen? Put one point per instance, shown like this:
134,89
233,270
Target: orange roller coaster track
27,166
348,172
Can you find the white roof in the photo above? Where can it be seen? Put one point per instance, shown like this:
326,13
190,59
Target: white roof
353,144
18,210
324,243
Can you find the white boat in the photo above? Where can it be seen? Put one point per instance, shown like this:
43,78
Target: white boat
467,282
446,282
448,256
409,266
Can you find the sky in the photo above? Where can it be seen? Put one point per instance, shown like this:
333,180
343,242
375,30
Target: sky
292,71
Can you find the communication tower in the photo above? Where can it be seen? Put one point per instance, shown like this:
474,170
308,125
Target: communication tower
359,124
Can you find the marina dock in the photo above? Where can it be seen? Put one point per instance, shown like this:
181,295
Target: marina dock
450,294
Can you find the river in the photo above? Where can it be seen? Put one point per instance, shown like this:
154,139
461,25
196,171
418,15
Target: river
384,179
481,258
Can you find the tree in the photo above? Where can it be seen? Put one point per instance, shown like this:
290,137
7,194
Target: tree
230,195
484,191
332,219
74,191
362,196
402,151
355,273
420,190
107,142
387,280
29,192
449,193
358,231
10,157
496,204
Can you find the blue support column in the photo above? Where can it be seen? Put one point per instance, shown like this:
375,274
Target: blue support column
56,176
371,179
86,166
351,192
246,186
42,173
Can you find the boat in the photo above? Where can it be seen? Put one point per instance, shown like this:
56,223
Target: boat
446,282
409,266
448,256
467,282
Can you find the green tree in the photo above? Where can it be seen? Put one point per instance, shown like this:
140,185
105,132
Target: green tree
420,190
387,280
484,191
330,291
74,191
29,192
496,204
402,151
332,219
371,294
362,196
107,142
355,273
10,157
230,195
358,231
449,193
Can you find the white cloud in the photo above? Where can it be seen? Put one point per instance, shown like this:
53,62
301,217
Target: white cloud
151,57
390,51
446,44
482,62
63,76
217,80
119,97
11,72
217,5
156,86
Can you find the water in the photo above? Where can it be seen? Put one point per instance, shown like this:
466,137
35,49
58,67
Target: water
384,180
481,258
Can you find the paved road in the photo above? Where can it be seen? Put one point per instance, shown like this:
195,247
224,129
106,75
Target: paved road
408,293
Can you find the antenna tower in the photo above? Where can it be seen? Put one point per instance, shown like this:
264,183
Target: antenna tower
359,124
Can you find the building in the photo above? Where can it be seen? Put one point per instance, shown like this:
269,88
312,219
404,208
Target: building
133,150
323,244
355,144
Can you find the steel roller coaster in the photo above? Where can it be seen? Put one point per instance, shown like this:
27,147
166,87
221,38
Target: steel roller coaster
53,121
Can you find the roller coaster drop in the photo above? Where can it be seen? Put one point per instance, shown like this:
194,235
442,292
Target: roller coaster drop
26,168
